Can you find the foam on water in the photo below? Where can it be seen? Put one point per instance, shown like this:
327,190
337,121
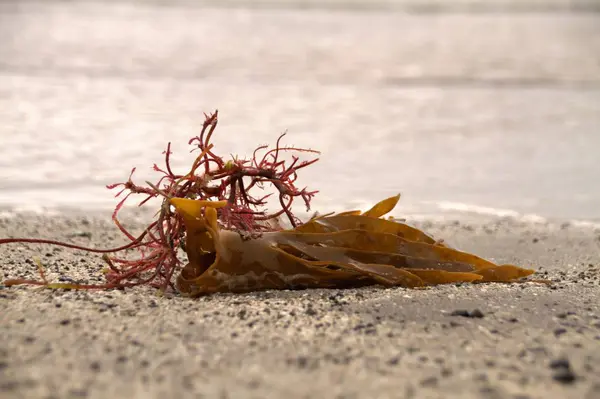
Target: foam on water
489,211
99,202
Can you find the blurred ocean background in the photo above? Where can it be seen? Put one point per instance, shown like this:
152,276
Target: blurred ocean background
465,107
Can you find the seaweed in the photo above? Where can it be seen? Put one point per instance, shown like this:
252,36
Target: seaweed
326,252
233,244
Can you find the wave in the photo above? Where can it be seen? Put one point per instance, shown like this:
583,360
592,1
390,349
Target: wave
487,211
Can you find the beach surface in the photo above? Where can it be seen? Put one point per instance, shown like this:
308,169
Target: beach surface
368,342
485,115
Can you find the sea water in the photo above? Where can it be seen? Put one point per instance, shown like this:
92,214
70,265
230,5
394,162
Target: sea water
491,113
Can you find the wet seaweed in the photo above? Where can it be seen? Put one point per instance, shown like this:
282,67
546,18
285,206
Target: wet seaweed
217,214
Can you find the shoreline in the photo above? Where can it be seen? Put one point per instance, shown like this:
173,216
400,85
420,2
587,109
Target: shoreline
447,213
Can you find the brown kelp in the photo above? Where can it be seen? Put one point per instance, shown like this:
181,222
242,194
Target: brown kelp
233,244
333,251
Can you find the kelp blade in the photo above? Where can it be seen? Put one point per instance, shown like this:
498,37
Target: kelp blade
344,250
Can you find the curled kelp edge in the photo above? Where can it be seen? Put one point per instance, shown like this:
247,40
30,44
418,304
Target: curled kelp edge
343,250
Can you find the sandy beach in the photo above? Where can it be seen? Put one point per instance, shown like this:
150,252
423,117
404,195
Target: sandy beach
485,115
369,342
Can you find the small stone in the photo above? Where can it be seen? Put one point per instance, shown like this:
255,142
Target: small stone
446,372
460,312
475,313
394,361
559,331
302,361
311,312
564,375
560,363
95,366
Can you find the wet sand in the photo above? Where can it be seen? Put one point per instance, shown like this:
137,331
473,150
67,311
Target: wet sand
369,342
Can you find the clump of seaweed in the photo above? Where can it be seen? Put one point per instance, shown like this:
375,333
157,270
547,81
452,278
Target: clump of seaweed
231,183
234,245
